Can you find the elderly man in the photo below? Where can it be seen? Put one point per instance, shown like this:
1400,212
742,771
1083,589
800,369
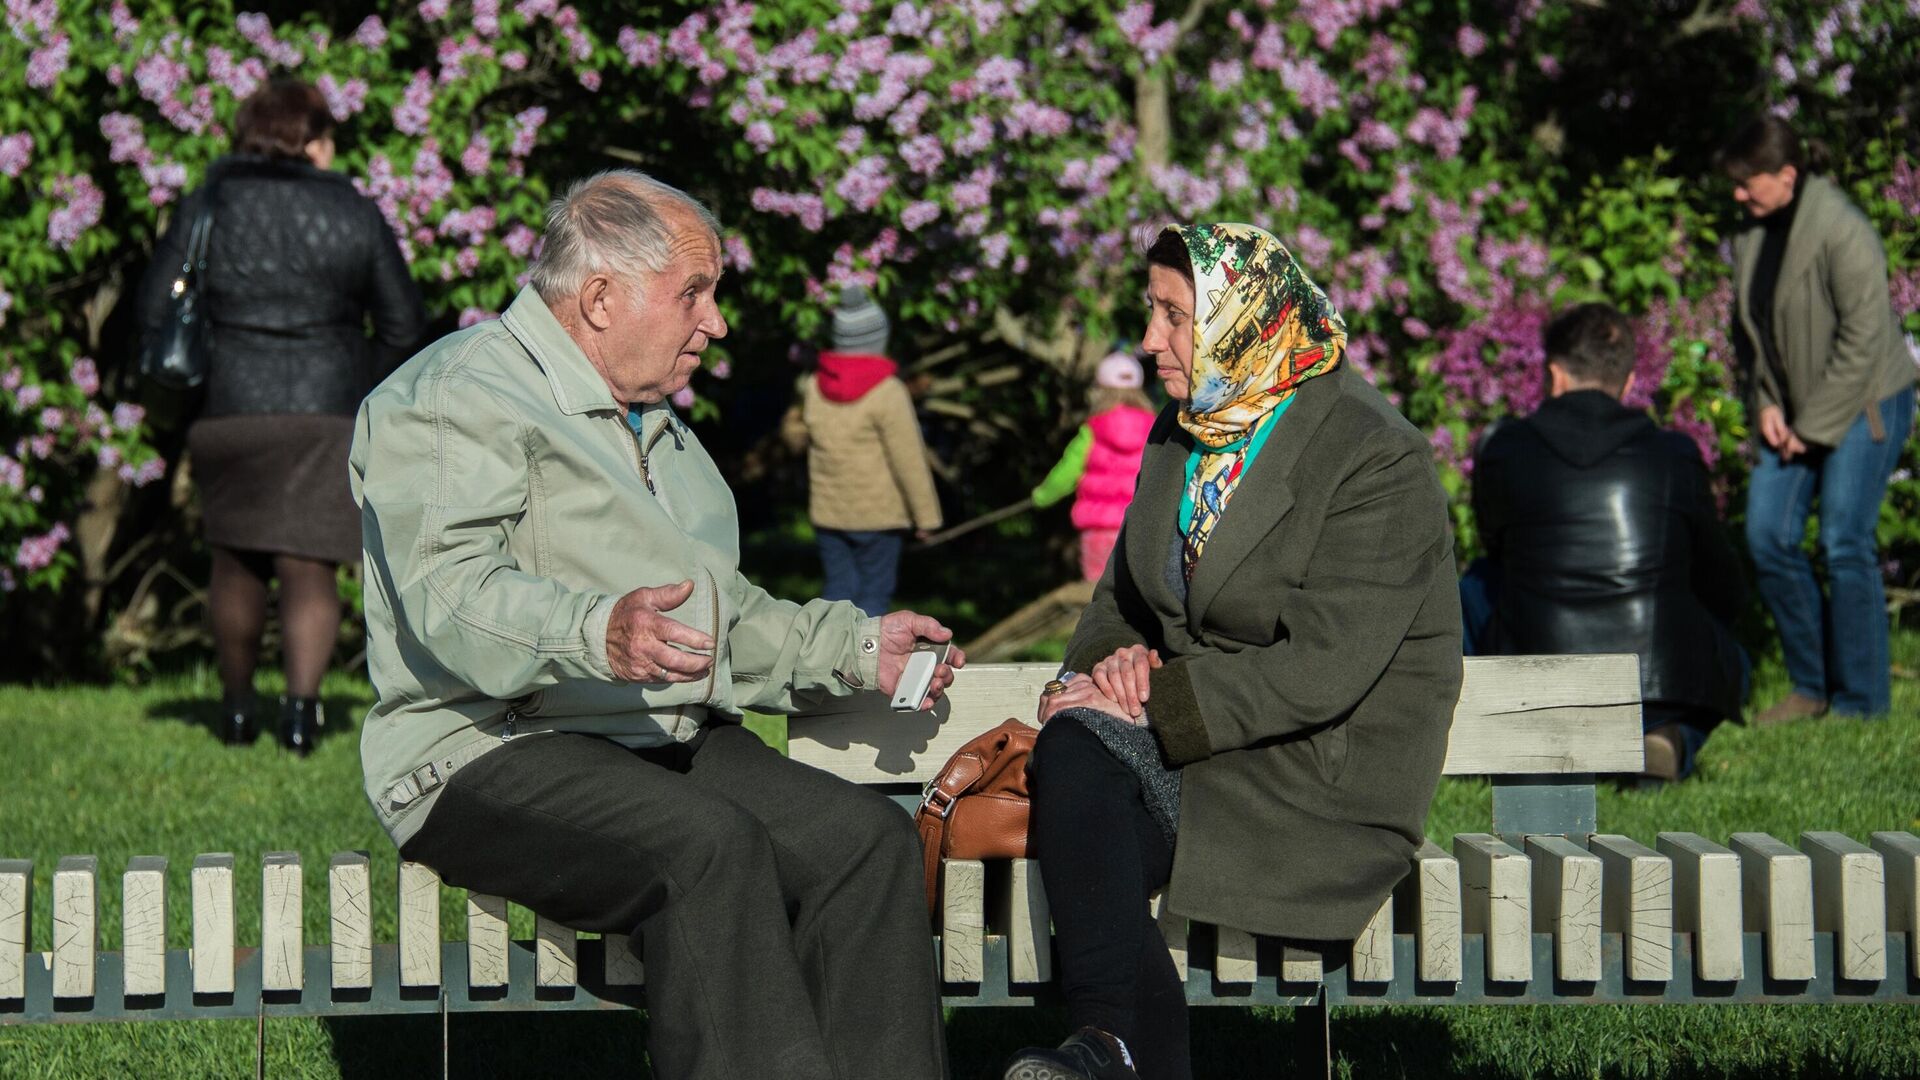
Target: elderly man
561,640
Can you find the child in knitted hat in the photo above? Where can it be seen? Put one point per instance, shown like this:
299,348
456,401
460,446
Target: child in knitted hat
1103,459
866,464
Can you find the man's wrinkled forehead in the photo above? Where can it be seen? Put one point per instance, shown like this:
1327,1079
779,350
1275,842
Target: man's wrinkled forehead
693,246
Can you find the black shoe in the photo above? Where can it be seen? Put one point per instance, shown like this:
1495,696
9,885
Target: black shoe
299,724
239,724
1091,1054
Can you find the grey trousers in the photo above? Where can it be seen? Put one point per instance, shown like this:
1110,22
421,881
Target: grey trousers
780,910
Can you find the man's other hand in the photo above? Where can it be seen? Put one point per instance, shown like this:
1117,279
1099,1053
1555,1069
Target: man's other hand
641,641
898,632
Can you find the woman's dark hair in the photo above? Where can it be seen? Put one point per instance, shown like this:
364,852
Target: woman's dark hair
1594,343
1170,251
280,119
1769,144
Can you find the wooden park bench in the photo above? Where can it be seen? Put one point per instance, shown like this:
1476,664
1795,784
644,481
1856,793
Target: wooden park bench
1545,909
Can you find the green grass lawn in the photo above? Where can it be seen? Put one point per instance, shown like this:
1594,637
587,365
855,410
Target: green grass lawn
117,772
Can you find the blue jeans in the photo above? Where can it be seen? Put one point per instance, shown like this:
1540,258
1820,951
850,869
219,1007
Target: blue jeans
1835,645
860,566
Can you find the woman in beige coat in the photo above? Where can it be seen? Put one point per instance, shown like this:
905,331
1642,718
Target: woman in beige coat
866,463
1832,387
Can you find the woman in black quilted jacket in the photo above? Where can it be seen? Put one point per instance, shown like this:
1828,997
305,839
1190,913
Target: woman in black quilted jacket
299,267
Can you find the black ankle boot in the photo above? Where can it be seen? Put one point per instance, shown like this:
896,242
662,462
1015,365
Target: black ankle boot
239,723
299,724
1089,1054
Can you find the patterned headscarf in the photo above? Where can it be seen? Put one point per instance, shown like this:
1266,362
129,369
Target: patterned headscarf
1261,327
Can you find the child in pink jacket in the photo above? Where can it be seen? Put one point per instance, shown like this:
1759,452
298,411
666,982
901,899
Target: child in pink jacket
1101,462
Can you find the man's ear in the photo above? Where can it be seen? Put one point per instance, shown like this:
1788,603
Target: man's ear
1557,380
596,302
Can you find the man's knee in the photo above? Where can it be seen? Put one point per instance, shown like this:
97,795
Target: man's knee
726,848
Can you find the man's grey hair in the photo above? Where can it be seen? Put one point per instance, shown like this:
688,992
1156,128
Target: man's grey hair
611,223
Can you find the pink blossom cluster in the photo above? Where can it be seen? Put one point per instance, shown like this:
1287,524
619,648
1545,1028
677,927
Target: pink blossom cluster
30,18
520,241
240,79
917,215
1191,195
809,209
909,21
1328,18
1153,40
81,203
6,305
371,33
798,58
37,552
1089,175
923,154
12,474
976,139
1903,188
258,30
143,474
526,130
473,316
47,63
1469,41
684,45
1311,86
16,150
976,190
641,50
864,183
344,99
85,376
737,254
472,226
1031,118
455,53
414,112
1383,62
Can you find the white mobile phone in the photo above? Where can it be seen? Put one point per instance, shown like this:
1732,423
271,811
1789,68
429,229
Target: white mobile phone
926,658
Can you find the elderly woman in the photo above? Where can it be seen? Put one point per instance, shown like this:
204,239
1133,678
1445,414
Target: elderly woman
1832,392
1254,709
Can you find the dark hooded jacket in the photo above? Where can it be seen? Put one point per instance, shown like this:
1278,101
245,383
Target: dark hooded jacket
1607,539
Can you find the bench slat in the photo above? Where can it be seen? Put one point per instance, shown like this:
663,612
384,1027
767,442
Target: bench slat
1850,899
1516,714
1901,852
282,943
1372,959
556,964
419,916
1029,924
1637,904
1776,884
622,968
212,956
1437,914
1495,887
486,941
350,903
1236,956
76,925
1301,963
1567,904
1706,903
143,926
16,923
963,920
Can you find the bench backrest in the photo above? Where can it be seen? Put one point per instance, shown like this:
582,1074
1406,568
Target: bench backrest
1517,715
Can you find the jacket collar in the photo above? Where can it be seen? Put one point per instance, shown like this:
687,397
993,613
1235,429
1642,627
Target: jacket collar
1262,499
577,386
1813,218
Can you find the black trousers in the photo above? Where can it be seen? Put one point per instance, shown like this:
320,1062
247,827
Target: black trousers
780,910
1102,855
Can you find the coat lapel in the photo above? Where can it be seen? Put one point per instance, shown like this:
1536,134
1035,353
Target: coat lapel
1264,495
1151,517
1812,221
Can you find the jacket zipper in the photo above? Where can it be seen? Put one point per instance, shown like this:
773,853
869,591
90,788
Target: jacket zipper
713,620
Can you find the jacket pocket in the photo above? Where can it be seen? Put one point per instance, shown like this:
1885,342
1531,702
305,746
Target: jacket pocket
1330,752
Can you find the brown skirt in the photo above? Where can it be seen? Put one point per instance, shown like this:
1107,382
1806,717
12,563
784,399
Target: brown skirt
277,483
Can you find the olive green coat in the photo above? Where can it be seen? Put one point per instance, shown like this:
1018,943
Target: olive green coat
1836,338
1311,670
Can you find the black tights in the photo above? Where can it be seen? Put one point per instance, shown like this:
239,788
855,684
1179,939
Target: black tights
1101,856
309,617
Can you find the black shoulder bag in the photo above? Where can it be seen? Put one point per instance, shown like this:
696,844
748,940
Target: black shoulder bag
174,353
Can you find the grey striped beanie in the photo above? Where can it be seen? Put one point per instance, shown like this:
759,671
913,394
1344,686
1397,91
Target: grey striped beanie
859,326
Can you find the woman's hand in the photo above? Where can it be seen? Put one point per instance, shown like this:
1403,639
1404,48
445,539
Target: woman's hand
1080,693
1125,677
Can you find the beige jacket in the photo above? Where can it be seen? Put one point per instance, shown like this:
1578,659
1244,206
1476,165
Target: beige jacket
506,504
1835,332
865,461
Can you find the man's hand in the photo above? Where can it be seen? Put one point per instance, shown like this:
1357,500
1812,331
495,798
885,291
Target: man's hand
898,632
641,640
1081,693
1124,678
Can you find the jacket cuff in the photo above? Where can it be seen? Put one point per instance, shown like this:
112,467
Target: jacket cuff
1175,715
861,669
594,629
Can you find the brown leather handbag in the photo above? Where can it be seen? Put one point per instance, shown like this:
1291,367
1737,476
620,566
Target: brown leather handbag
976,808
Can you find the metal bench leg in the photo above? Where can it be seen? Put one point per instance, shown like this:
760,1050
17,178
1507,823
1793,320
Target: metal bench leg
1312,1041
260,1041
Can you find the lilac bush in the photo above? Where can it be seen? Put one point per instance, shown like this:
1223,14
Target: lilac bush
987,166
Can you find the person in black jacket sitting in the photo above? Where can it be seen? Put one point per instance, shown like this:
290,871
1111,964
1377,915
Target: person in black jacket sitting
299,264
1602,537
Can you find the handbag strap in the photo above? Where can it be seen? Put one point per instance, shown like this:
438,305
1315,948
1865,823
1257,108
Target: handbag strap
200,236
962,772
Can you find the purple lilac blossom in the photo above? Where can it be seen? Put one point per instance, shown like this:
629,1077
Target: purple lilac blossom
258,30
1154,41
922,154
371,33
641,50
1470,42
909,21
127,415
16,151
918,214
414,111
28,396
808,208
683,398
519,241
738,255
85,375
432,10
526,130
81,205
37,552
48,63
759,135
978,137
865,182
486,17
125,26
